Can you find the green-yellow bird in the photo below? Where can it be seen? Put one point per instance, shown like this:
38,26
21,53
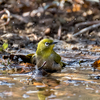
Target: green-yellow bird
46,53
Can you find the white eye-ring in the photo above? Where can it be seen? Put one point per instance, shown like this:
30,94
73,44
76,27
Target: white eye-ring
46,44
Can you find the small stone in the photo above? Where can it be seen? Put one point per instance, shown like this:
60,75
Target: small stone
29,24
89,12
38,14
47,31
13,51
10,36
22,45
26,14
15,46
84,14
74,48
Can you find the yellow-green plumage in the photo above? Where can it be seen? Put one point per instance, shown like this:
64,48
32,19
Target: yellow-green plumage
46,53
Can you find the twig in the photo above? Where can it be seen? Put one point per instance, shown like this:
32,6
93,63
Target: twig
1,11
87,29
33,35
59,32
86,23
62,2
19,18
4,16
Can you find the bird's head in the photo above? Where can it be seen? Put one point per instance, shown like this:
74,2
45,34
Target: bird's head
45,45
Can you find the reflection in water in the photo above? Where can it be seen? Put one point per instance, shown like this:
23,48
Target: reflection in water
43,93
45,87
6,83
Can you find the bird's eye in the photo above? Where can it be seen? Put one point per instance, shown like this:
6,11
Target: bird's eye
46,44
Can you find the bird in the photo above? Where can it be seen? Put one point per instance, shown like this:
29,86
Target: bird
45,53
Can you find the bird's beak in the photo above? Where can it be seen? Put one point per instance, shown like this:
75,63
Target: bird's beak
53,43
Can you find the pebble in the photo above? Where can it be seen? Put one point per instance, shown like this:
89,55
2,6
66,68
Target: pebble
47,31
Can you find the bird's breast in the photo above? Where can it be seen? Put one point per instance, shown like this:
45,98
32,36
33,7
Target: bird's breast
41,60
50,63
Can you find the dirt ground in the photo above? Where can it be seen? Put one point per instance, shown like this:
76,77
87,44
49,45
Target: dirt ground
31,20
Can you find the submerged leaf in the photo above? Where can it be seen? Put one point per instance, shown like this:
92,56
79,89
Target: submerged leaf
96,65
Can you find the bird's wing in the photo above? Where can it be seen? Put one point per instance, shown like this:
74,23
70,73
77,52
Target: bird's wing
33,59
57,58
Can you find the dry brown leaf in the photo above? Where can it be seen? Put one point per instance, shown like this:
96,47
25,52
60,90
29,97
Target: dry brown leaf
96,64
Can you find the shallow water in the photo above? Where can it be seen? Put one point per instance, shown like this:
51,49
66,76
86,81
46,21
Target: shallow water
77,81
73,83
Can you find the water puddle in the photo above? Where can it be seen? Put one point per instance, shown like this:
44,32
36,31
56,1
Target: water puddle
77,81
